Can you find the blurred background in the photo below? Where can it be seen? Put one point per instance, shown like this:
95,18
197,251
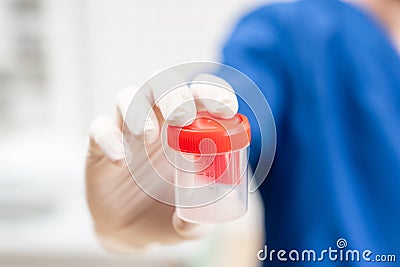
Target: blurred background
61,64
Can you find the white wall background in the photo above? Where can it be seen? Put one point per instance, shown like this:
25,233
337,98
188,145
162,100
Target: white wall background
131,40
95,47
62,63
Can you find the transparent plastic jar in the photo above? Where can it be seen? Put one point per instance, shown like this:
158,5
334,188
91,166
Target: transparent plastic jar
211,178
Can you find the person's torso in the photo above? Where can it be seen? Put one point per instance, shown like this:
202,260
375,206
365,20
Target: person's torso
337,167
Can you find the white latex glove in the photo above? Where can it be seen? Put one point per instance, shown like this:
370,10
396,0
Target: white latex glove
126,218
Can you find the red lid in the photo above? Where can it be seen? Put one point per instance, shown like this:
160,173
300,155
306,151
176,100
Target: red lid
226,135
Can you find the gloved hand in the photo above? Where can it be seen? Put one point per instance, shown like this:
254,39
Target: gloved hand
125,217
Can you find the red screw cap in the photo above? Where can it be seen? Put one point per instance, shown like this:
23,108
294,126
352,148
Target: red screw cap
226,135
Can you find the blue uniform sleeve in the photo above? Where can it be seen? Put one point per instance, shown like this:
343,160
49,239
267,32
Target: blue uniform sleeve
255,48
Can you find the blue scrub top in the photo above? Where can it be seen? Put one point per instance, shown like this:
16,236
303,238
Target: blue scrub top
332,78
